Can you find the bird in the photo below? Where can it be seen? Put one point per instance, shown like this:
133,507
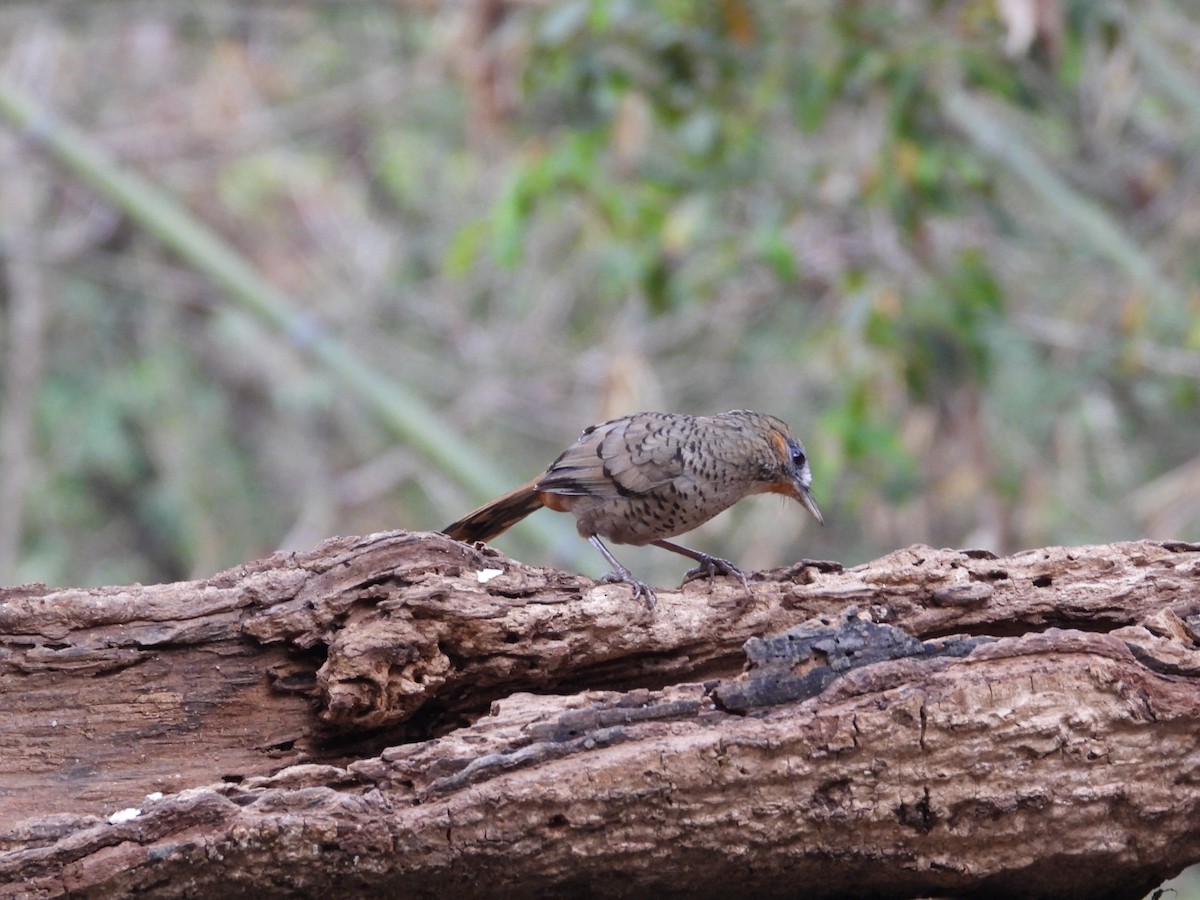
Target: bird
644,478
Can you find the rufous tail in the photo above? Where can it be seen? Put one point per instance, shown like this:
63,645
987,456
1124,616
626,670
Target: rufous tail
496,517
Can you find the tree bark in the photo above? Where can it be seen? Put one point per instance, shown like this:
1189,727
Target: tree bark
402,714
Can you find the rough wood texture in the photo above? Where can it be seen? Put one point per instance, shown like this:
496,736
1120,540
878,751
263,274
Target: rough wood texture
401,713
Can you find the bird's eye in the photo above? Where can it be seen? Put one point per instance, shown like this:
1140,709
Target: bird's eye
798,458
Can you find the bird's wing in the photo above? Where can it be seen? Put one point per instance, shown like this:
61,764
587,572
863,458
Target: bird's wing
619,458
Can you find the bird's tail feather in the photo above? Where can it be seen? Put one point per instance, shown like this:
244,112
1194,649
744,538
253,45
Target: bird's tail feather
496,517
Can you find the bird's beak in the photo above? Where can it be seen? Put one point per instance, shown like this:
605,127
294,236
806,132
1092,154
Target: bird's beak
805,496
798,490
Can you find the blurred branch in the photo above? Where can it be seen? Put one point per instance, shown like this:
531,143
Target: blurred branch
1093,224
1082,338
396,405
1167,505
316,111
1158,63
23,352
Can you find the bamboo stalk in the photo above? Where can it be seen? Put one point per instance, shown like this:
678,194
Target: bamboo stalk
396,405
1094,226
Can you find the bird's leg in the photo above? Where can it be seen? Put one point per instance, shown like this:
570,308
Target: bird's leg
709,565
620,573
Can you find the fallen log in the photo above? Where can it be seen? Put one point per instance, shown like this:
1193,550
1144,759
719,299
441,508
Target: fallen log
403,713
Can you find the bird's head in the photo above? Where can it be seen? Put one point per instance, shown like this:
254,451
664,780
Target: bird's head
790,475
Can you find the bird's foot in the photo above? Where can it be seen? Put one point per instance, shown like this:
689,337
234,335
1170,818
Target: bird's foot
640,588
622,574
712,566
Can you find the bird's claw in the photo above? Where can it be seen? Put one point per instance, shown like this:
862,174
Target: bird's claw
712,566
641,590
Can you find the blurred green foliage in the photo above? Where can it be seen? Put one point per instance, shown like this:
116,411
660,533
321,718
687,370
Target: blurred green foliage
539,216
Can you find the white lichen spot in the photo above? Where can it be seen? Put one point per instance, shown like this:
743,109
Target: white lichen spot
486,575
124,815
157,795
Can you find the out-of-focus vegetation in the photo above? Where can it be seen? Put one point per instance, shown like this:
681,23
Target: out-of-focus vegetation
955,245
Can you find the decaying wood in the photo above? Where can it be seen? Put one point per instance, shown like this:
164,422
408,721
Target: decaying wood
402,714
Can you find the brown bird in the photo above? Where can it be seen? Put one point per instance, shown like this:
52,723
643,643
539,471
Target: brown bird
647,477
